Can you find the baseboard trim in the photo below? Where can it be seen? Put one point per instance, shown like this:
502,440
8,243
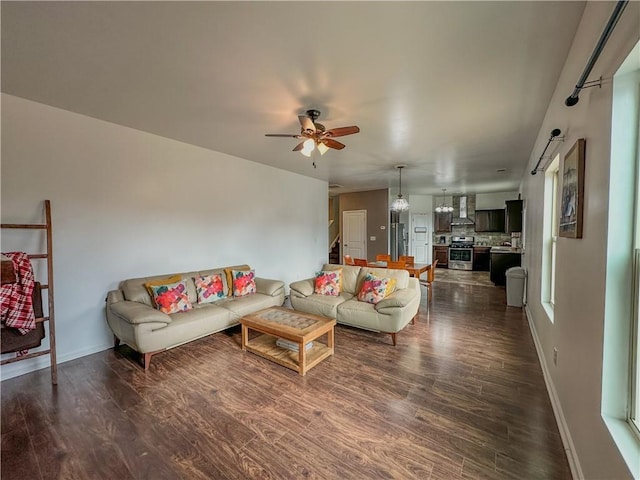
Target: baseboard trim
39,363
565,434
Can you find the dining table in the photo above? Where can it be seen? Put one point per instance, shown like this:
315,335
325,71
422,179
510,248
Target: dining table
414,269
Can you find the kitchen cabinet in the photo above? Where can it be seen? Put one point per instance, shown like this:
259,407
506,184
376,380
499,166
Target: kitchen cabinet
513,217
442,222
482,258
501,261
490,220
441,253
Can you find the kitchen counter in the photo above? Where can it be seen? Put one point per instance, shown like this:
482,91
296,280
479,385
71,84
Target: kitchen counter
503,258
504,249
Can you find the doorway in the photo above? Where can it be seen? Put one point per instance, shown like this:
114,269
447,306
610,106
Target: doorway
354,229
421,237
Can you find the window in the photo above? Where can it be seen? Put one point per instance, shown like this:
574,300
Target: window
634,410
634,400
550,234
634,413
554,231
621,343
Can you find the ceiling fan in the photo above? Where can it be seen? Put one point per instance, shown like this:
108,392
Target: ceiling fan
316,135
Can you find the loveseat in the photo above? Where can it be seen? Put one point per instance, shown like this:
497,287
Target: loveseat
389,315
135,320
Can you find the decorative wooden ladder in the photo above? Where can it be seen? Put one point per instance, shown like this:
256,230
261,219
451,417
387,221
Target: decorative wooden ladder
49,286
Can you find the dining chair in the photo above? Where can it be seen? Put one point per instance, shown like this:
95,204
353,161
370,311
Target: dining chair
396,265
408,259
383,257
348,260
361,262
431,275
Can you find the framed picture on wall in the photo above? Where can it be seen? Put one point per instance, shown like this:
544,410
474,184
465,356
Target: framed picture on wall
572,193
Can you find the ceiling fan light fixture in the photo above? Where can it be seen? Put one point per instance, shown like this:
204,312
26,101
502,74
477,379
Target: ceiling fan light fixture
307,147
317,135
322,148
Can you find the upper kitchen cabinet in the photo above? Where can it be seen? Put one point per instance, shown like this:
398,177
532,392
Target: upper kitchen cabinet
513,217
442,222
490,220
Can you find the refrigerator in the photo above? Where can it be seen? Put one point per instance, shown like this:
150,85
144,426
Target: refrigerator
398,240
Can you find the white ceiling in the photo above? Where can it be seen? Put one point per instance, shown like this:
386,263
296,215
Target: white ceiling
454,90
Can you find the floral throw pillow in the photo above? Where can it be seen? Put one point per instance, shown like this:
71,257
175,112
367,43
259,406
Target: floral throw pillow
328,282
373,289
209,288
172,297
243,282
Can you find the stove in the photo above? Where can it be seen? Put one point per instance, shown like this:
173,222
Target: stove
461,253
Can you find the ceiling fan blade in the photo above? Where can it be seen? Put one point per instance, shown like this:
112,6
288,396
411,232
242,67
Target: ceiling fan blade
342,131
288,135
333,144
298,147
307,123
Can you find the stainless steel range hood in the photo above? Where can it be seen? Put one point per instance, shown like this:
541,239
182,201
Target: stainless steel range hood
463,217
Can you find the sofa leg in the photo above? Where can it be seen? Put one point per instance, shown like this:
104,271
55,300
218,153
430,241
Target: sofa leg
146,360
116,342
393,338
413,320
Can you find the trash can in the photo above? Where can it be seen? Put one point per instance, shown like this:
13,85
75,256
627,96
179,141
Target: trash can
515,286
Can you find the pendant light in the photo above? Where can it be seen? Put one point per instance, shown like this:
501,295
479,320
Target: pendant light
443,207
400,204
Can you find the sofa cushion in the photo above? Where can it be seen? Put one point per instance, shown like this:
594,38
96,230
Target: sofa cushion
134,289
172,297
243,282
374,288
323,305
209,288
349,276
401,276
185,326
327,282
162,281
359,314
241,306
223,275
228,271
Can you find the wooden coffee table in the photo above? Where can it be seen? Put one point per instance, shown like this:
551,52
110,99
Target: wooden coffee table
298,327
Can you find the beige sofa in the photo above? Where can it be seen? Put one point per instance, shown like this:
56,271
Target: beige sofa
134,320
390,315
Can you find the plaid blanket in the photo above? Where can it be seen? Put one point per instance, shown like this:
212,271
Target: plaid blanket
16,308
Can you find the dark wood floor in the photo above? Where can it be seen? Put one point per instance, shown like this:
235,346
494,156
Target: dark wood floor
461,396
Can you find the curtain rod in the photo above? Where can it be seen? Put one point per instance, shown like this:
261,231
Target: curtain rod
615,16
554,133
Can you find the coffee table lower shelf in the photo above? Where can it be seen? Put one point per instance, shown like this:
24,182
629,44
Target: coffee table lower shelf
265,346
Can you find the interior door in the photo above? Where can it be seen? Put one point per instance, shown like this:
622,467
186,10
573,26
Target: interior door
354,227
421,237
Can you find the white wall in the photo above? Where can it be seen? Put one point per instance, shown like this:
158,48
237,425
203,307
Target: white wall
127,203
577,332
489,201
420,204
